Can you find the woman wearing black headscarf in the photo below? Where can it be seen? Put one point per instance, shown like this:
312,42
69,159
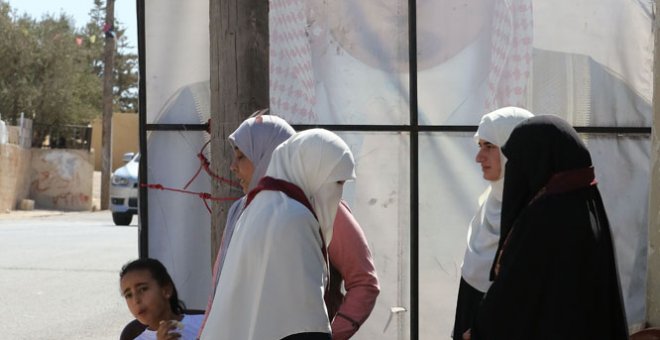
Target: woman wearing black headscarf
555,272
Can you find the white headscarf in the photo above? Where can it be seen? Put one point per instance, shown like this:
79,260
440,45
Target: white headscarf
484,233
315,160
256,137
274,274
495,127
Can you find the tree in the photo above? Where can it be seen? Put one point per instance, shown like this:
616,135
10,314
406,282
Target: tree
43,74
69,91
52,71
16,49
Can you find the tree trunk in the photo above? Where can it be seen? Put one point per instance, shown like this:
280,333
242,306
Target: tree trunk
239,86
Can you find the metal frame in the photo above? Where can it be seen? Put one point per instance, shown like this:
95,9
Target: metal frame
143,201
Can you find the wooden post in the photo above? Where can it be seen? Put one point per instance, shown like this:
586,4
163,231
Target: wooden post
239,86
106,135
653,266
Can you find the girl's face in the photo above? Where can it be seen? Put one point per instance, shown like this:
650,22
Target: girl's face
243,168
146,300
489,158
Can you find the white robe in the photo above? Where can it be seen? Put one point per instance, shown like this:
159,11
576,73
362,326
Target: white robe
275,236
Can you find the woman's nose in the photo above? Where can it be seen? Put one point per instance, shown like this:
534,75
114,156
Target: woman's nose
137,300
479,158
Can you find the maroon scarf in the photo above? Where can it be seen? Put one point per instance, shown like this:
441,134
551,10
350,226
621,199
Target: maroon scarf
292,191
288,188
566,181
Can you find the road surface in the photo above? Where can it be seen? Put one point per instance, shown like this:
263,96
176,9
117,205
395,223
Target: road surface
59,275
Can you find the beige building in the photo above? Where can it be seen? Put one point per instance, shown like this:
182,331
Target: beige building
125,138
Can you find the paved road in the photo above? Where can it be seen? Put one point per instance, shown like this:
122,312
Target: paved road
59,275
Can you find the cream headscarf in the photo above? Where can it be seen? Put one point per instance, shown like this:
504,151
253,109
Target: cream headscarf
484,233
315,160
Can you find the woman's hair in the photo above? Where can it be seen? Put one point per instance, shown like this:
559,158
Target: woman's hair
160,274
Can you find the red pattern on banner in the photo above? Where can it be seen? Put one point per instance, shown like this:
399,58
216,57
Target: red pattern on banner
511,53
292,86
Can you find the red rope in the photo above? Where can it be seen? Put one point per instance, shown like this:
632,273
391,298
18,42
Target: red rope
193,177
205,196
206,165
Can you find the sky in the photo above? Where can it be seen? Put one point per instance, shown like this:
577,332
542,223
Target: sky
125,12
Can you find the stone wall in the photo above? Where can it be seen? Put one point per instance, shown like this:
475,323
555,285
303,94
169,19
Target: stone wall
62,179
14,175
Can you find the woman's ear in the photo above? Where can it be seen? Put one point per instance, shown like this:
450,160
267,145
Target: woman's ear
167,291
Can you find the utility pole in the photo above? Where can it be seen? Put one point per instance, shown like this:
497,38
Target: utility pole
239,86
653,264
106,137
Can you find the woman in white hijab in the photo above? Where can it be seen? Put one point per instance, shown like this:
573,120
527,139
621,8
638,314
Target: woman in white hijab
275,269
484,232
253,143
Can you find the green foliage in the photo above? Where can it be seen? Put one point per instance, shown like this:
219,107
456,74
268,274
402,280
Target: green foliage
52,71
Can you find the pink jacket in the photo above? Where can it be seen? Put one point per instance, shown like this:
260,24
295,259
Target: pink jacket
350,256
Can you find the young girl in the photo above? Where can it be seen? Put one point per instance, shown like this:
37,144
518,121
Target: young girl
152,298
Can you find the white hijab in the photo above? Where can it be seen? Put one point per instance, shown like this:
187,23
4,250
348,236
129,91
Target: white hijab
315,160
484,232
274,274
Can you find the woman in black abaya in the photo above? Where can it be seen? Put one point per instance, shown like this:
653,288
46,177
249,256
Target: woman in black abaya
555,272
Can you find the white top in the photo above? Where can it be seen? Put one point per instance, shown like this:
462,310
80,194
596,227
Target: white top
190,323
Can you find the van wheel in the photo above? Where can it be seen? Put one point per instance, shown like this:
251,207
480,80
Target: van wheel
122,218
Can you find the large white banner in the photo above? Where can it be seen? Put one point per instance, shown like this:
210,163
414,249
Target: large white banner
177,74
346,62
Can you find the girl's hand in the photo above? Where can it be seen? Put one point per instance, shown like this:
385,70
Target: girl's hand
167,330
467,335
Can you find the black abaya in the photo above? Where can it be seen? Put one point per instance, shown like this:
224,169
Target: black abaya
556,276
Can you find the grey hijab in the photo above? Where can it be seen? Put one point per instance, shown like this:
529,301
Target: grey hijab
256,137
